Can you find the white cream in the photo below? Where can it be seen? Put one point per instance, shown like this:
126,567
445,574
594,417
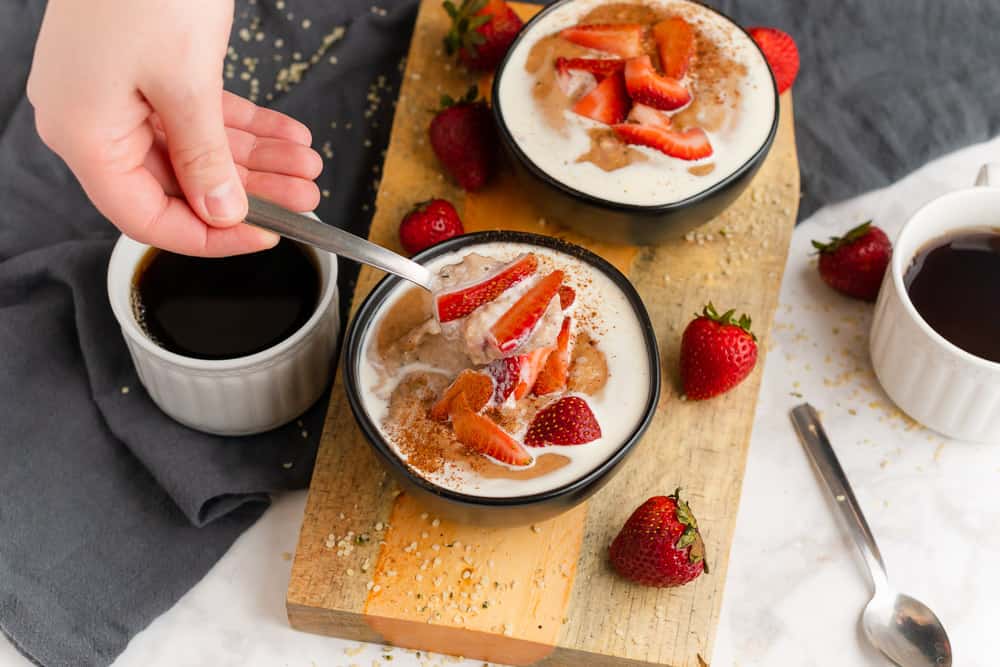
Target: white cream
660,179
618,407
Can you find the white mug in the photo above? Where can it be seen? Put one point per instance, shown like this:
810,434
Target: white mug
931,379
237,396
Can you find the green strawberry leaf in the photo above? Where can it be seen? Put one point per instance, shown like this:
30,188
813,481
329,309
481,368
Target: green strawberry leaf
837,242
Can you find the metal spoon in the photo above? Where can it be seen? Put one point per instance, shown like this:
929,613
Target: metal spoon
311,231
903,628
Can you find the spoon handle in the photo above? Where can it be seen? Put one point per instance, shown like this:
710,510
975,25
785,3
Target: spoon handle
817,445
311,231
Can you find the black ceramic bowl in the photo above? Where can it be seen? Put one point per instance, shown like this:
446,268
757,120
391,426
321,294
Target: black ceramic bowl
614,221
487,510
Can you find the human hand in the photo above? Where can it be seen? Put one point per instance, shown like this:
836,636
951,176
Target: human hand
129,93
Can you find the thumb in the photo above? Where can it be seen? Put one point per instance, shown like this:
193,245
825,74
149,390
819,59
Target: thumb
199,152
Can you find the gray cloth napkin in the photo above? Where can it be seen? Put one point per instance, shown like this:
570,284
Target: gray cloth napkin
109,511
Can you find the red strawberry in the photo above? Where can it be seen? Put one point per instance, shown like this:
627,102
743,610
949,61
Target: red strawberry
556,371
660,544
516,325
674,39
601,68
428,223
464,139
481,32
646,86
781,54
691,144
516,375
855,263
608,103
621,39
649,116
567,295
486,437
462,301
717,353
475,388
568,421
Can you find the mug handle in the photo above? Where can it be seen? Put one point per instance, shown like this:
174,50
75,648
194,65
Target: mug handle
989,174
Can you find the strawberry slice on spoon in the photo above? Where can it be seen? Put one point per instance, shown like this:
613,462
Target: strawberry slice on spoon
516,325
457,303
621,39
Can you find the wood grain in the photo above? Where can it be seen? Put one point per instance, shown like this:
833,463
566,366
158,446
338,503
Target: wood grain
372,565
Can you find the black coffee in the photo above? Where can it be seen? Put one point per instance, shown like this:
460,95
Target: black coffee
228,307
954,283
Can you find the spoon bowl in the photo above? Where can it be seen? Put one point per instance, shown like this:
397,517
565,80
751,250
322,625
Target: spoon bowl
906,631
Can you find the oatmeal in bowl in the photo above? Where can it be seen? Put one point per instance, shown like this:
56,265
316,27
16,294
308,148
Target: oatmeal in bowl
515,389
634,121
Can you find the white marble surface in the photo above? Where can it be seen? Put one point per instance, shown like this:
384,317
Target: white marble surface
795,587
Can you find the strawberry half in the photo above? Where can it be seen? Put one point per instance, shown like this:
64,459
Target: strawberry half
476,389
568,421
674,39
660,544
486,437
601,68
460,302
567,295
648,87
692,144
621,39
781,54
517,375
608,103
516,325
717,353
556,371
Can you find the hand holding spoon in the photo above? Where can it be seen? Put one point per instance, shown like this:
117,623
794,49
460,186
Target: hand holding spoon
312,232
903,628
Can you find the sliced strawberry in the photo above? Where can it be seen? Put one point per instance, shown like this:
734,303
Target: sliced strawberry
532,364
646,86
608,103
649,116
486,437
556,371
516,325
475,390
622,39
568,421
674,39
516,375
601,68
692,144
460,302
567,295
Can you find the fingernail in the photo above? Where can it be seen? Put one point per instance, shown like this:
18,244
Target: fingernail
225,202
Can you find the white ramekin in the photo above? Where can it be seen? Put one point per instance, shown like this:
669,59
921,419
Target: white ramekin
232,396
934,381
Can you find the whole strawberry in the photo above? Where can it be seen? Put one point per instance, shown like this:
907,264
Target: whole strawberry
464,140
717,353
781,54
481,32
855,262
660,544
429,222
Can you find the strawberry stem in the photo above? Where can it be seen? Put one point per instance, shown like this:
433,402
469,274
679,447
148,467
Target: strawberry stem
744,322
837,242
470,96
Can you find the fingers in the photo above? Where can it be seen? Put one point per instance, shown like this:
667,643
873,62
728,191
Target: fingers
243,114
295,194
278,156
199,152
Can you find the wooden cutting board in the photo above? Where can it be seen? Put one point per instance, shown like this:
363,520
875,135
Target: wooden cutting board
371,565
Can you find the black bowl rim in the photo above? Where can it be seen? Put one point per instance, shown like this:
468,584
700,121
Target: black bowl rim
362,320
638,209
